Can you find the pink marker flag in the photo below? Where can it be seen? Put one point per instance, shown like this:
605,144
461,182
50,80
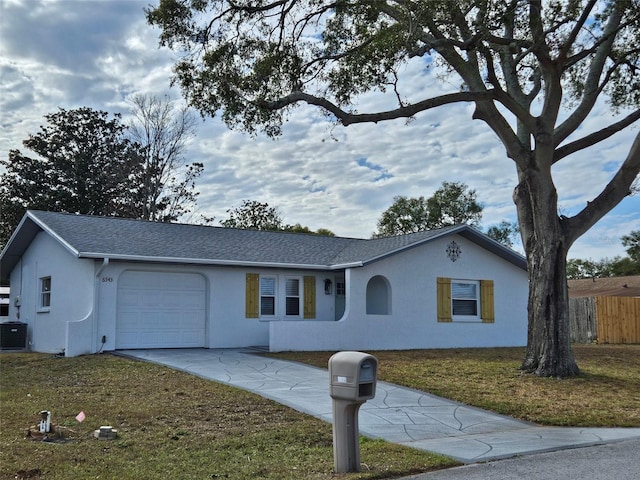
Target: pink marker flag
80,417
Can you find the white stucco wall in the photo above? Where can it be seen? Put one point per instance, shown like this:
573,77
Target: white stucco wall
412,322
71,293
230,328
76,323
227,326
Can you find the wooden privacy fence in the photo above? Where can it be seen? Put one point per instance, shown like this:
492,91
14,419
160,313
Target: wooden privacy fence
605,319
582,319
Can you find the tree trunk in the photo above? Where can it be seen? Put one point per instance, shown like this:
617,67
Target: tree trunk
548,352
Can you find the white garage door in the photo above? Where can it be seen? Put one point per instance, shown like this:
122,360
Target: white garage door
160,310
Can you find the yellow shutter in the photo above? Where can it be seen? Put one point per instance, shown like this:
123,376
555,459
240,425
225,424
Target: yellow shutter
444,299
486,301
252,296
309,297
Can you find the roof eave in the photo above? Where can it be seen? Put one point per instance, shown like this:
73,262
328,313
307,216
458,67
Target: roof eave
53,234
23,235
342,266
202,261
493,246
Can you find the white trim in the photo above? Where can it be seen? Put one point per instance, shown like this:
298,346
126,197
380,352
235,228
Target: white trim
467,318
275,296
300,297
202,261
51,232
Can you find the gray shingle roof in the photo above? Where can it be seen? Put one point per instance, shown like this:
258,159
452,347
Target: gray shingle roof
121,238
100,236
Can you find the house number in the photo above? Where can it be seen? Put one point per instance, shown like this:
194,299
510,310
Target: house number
107,279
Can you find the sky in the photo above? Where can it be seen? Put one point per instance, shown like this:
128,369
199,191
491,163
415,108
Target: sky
99,53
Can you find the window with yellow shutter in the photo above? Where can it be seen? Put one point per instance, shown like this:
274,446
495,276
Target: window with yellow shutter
267,296
465,300
273,296
465,297
309,297
444,299
252,295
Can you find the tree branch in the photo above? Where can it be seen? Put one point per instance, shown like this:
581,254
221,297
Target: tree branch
347,118
251,9
488,113
595,137
618,188
566,47
592,84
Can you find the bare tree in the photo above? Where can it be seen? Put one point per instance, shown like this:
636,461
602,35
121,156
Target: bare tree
167,183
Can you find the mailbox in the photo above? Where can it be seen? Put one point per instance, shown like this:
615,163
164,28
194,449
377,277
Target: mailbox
352,381
353,376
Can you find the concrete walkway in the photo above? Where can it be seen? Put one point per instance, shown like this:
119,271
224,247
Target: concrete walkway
396,414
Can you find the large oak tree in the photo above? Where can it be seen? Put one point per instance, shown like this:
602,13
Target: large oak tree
534,70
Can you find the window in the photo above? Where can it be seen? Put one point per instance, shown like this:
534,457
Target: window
465,300
267,296
45,292
292,296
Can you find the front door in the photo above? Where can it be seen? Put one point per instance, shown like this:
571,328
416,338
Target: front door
340,297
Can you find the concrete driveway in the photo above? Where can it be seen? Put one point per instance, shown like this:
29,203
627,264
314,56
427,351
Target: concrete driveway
396,414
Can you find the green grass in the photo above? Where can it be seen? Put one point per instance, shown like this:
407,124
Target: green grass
171,425
606,394
174,425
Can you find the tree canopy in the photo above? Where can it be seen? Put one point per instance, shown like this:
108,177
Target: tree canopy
454,203
84,164
89,162
504,232
451,204
534,72
255,215
631,243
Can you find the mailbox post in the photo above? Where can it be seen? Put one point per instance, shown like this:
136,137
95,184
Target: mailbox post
352,381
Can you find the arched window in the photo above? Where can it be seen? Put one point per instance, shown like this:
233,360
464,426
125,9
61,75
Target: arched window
378,296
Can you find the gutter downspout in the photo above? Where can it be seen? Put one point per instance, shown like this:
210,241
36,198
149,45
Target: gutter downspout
96,303
105,264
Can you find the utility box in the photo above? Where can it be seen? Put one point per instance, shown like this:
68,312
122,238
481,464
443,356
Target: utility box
13,336
352,381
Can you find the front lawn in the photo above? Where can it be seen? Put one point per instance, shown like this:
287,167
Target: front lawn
174,425
171,425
